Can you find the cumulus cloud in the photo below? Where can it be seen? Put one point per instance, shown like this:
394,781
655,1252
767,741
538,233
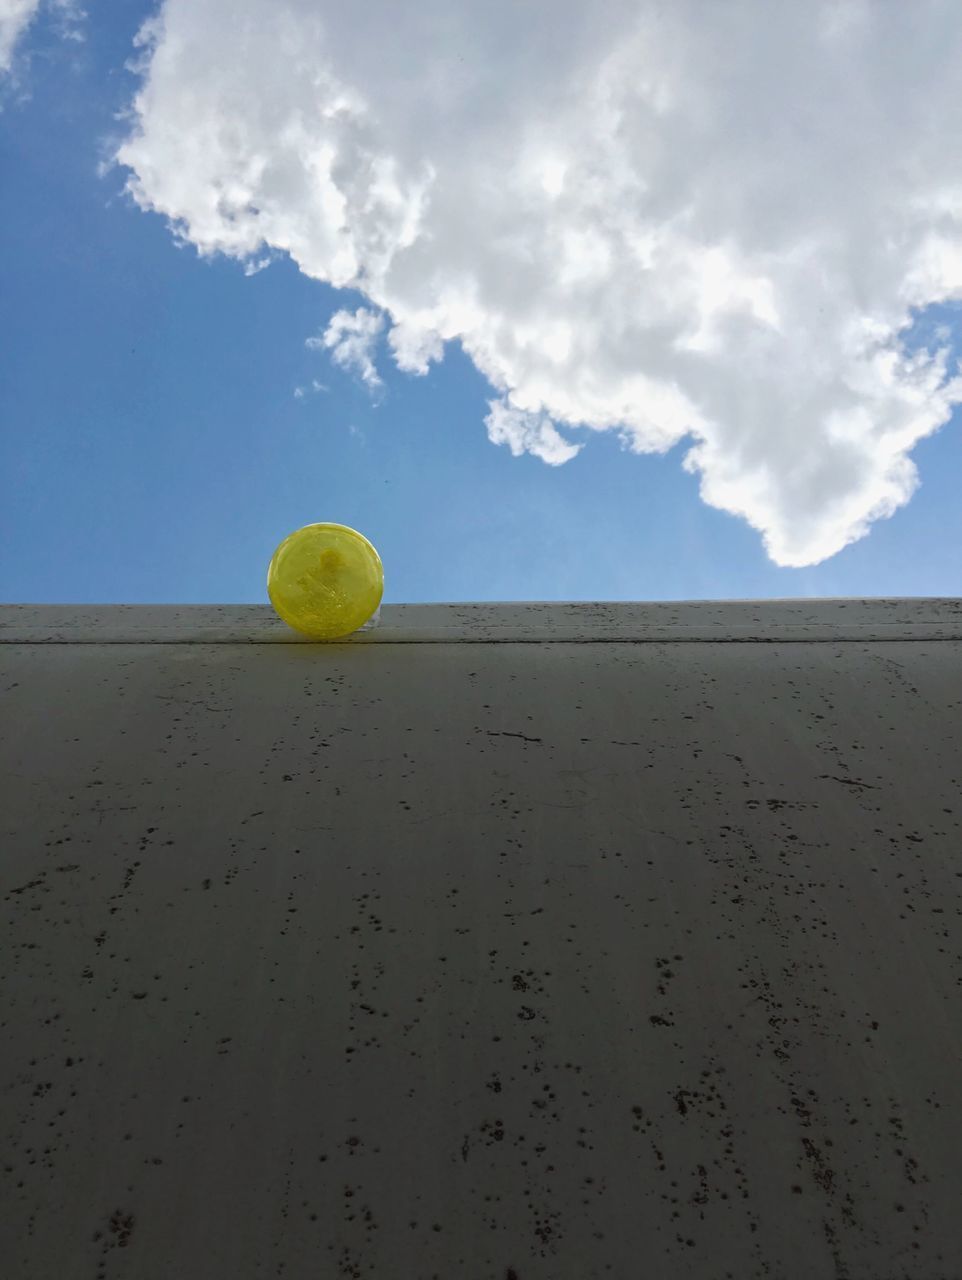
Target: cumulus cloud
685,221
350,338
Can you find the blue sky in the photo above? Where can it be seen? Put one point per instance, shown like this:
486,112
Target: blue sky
152,447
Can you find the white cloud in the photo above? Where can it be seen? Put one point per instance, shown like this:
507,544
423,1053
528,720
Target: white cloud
254,265
701,220
525,432
350,337
415,345
15,17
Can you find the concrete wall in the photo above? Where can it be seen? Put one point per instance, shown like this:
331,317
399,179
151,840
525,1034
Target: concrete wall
523,941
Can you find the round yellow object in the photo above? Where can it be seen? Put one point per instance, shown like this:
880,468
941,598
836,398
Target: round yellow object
325,580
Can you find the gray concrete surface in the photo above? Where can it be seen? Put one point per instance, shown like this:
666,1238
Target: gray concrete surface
935,618
507,942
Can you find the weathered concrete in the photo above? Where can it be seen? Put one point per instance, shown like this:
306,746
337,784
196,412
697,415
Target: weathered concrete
451,952
935,618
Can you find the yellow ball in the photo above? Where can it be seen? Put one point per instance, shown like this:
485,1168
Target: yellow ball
325,580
